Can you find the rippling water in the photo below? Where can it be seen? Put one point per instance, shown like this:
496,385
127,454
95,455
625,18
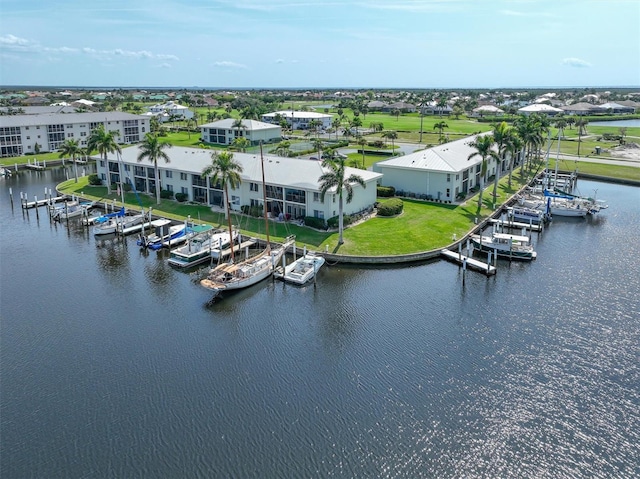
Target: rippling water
113,364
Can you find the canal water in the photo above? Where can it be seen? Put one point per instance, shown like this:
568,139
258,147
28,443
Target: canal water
114,365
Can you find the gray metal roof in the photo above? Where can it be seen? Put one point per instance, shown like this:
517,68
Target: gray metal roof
450,157
66,118
289,172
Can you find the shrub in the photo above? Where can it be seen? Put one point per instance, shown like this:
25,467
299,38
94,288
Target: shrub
376,143
127,187
95,180
166,194
333,222
181,197
386,191
255,211
313,222
391,207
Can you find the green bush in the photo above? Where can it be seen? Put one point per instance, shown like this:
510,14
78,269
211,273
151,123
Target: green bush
127,187
181,197
391,207
333,222
166,194
95,180
313,222
386,191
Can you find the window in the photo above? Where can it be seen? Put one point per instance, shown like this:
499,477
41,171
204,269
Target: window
183,176
457,177
448,178
318,214
168,173
235,200
448,192
127,167
184,190
253,186
28,138
69,135
316,197
169,187
101,163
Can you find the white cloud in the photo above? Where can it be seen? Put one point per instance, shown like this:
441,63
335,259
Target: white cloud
516,13
576,63
12,40
228,64
416,5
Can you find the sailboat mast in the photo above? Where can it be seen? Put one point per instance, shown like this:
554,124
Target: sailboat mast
264,199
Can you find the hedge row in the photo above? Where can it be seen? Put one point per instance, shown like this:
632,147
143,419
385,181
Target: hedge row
386,191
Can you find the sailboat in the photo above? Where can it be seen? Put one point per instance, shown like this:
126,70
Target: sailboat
232,276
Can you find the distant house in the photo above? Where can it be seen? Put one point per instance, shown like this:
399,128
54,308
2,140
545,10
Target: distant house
487,110
164,111
432,108
401,106
616,108
298,120
581,108
541,109
377,105
222,132
631,104
439,173
35,101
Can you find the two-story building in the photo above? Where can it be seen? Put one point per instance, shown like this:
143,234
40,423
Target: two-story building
170,109
292,184
223,132
19,134
298,120
438,173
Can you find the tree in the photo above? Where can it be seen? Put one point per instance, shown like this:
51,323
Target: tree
390,135
239,125
71,148
396,113
103,142
356,122
483,144
441,125
376,127
152,149
581,124
500,134
441,103
514,146
283,148
457,111
314,125
560,124
317,145
571,120
241,143
225,171
362,142
623,133
335,124
335,178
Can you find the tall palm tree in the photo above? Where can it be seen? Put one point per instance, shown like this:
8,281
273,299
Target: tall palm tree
226,171
514,146
239,125
362,141
441,125
581,124
335,178
356,122
318,145
103,142
483,144
500,133
335,124
71,148
241,143
152,149
390,135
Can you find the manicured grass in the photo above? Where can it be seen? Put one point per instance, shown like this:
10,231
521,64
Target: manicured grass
600,169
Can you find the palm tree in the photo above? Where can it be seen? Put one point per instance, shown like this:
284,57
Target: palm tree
226,171
241,143
514,146
581,124
103,142
441,125
317,145
396,113
152,149
483,144
71,148
314,125
390,135
335,178
335,124
356,122
239,125
571,121
362,142
457,111
500,134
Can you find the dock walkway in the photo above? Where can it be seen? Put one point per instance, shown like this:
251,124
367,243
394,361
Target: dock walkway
466,261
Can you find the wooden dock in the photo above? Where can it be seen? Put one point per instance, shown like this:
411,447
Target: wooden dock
516,224
48,201
468,262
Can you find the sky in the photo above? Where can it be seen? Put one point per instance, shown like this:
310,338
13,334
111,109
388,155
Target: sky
320,44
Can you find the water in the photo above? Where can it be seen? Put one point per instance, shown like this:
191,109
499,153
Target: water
628,123
113,365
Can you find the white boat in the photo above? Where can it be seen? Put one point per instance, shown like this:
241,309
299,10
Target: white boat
117,224
70,209
5,172
526,215
302,270
232,276
200,248
506,245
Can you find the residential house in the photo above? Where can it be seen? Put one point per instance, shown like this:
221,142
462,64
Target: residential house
223,132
